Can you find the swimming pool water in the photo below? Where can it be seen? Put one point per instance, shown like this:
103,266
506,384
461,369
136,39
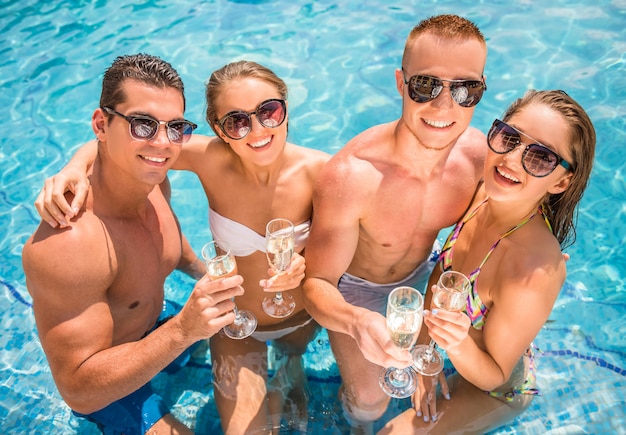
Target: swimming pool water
338,58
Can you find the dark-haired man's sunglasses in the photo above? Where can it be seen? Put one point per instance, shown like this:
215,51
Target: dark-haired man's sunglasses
144,127
466,93
237,124
537,159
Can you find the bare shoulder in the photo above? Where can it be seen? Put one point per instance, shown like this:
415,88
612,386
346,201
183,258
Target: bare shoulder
199,142
194,153
356,163
346,177
473,144
351,179
312,159
65,259
539,270
543,256
472,137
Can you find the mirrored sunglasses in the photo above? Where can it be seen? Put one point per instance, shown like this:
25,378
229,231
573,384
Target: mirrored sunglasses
537,159
237,124
466,93
145,128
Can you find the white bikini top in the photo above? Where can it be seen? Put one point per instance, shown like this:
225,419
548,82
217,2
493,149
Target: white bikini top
245,241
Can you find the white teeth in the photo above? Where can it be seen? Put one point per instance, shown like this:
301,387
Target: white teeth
155,159
438,124
260,143
507,176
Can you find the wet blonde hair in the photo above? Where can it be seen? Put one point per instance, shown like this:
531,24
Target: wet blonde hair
562,208
237,70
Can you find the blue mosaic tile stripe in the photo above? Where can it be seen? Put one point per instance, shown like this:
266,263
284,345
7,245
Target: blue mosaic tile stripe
589,341
13,291
599,361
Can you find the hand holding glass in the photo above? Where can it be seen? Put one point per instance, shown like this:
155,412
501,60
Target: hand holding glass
280,244
221,263
450,294
405,307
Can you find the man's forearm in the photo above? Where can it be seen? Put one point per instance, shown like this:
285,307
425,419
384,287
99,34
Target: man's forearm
114,373
189,262
327,306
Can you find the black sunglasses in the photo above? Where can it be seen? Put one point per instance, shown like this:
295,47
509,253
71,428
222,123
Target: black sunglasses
237,124
145,128
537,159
466,93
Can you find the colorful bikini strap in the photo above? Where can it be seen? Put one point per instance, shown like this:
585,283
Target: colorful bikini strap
445,258
503,236
542,211
476,310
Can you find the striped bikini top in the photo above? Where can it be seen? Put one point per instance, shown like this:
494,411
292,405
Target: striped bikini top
476,309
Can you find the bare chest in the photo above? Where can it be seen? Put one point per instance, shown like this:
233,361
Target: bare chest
406,210
143,255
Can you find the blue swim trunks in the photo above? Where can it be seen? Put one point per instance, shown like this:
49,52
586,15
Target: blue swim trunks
139,411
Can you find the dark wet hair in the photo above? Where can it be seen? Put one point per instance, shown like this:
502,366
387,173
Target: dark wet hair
144,68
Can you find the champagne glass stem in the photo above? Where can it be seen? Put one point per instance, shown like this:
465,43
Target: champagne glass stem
238,320
400,375
278,297
429,352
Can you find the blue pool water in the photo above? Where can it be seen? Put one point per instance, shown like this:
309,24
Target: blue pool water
338,58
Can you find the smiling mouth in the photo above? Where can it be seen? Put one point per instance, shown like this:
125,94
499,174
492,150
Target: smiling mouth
154,159
507,176
437,124
260,143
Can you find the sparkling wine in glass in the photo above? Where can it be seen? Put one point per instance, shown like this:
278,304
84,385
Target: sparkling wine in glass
220,263
405,306
279,245
450,294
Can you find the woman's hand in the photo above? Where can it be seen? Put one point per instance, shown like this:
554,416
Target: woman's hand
447,328
287,280
53,206
424,400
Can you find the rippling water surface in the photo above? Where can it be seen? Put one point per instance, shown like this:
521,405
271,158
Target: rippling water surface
338,58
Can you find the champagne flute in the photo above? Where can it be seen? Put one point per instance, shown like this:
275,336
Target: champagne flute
280,244
405,307
450,294
221,263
